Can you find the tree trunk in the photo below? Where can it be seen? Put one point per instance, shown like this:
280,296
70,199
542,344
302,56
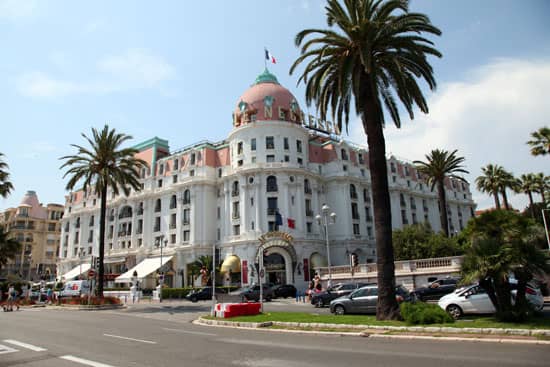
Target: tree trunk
504,299
387,307
497,201
543,197
487,284
505,199
531,207
443,207
102,219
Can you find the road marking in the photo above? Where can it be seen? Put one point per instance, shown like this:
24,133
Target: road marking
85,361
25,345
189,332
136,340
4,349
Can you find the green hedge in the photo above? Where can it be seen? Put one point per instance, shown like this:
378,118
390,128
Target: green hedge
421,313
179,293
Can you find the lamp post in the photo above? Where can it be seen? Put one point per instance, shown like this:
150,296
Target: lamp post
324,220
29,257
160,242
213,311
80,253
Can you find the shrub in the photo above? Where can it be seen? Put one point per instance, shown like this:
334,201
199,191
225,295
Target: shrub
421,313
93,300
168,293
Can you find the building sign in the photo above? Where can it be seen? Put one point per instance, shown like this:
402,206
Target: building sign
317,124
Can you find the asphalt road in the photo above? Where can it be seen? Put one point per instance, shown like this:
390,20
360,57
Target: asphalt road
162,335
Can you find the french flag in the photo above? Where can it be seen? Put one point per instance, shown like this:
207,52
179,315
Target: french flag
269,57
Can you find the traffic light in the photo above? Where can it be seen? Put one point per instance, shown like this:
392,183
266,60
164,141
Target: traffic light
354,260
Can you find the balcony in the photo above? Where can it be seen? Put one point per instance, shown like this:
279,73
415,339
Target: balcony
307,190
235,193
111,218
354,216
172,226
123,233
309,213
425,208
186,221
156,229
413,206
236,215
272,188
369,218
271,211
140,211
139,231
353,195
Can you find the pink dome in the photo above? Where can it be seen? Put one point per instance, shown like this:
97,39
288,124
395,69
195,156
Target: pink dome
267,100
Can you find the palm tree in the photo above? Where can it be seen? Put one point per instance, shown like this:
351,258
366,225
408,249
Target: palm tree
526,185
9,247
106,165
489,182
439,165
541,185
371,56
507,181
540,144
5,185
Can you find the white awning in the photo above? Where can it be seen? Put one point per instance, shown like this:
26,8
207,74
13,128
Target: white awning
76,271
114,260
143,269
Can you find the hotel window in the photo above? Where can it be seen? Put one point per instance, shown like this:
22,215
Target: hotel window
240,162
186,235
345,168
252,225
287,158
367,214
192,159
356,229
157,205
240,147
271,184
76,237
175,179
404,217
173,202
156,228
309,227
394,179
236,212
92,221
406,171
192,173
161,169
285,143
173,221
270,158
354,211
362,172
253,160
218,212
187,197
269,142
369,231
253,144
361,159
300,161
159,184
139,229
186,216
272,206
176,164
251,201
219,172
236,230
299,146
352,191
344,155
91,236
218,234
392,168
172,238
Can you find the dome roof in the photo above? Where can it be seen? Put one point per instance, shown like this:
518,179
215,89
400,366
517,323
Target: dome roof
266,100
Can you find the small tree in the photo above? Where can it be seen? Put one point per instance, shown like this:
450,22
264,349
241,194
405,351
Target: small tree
419,241
9,248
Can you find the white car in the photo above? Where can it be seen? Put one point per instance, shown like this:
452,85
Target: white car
475,300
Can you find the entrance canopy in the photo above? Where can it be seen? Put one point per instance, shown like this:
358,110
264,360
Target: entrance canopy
143,269
76,271
231,263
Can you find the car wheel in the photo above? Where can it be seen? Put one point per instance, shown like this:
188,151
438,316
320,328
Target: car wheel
455,311
319,303
339,310
194,299
268,298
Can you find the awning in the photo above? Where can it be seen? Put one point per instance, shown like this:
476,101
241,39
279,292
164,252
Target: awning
317,261
114,260
143,269
76,271
232,263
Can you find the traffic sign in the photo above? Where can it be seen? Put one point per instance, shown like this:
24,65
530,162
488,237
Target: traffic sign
91,273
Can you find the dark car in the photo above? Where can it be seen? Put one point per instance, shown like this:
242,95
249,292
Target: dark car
253,293
284,291
436,289
203,294
364,300
338,290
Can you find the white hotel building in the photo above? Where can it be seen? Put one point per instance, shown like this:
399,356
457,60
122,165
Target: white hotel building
226,194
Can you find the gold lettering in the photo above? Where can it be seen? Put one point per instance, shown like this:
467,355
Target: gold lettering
282,115
268,111
292,116
320,124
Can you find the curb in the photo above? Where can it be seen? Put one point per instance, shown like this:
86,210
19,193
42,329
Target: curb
87,308
364,331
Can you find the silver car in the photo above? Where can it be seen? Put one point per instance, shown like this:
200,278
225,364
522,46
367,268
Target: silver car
364,300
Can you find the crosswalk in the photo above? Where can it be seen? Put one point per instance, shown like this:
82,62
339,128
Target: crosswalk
8,346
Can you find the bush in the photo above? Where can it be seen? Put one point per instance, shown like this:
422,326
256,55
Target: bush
421,313
93,300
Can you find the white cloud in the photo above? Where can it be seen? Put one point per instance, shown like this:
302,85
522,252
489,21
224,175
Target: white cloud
17,9
487,117
133,70
137,67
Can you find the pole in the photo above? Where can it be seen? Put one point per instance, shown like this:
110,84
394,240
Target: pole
161,281
546,227
213,311
328,252
261,277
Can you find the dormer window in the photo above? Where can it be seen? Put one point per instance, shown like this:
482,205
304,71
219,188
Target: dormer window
344,155
243,106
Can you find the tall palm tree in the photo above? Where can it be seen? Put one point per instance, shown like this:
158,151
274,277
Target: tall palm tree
371,56
526,184
439,165
507,181
9,247
540,144
5,185
489,182
102,166
542,185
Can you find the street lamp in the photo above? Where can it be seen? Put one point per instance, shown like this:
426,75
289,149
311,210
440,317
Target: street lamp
29,257
324,220
159,243
80,254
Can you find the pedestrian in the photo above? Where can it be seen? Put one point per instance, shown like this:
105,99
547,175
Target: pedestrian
49,296
12,299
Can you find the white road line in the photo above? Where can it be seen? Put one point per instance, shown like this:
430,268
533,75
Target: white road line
85,361
136,340
25,345
189,332
4,349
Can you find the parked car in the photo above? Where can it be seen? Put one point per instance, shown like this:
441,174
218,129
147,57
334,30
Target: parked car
253,293
364,300
203,294
436,289
284,291
322,299
475,300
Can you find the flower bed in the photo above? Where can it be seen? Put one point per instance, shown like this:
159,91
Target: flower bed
95,301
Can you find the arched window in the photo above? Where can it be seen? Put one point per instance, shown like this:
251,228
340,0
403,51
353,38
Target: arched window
186,197
235,188
125,212
272,184
344,155
157,205
352,191
140,208
366,197
173,202
307,187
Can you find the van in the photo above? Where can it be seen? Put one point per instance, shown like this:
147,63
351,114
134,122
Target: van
75,288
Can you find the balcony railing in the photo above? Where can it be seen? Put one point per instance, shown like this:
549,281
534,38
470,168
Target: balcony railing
172,226
353,195
271,211
235,193
413,206
186,221
236,215
307,190
425,208
272,188
309,213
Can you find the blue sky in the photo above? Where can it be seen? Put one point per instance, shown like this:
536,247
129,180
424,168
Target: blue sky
176,69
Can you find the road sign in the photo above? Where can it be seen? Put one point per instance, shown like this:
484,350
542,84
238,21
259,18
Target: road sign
91,273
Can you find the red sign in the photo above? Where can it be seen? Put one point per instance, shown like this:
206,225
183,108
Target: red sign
91,273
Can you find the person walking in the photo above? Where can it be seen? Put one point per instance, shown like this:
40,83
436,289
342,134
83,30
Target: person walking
12,299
